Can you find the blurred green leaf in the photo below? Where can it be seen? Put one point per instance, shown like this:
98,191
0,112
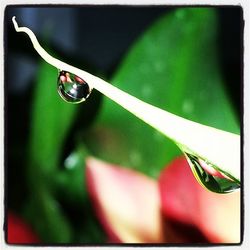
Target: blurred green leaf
46,215
71,181
91,232
51,120
53,187
174,66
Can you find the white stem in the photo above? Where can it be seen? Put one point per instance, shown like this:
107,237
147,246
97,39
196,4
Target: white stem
218,147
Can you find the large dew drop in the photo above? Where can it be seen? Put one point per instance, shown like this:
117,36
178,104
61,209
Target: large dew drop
72,88
210,177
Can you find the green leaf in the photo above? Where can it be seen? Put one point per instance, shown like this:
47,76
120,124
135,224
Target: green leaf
71,181
50,123
51,120
46,215
174,66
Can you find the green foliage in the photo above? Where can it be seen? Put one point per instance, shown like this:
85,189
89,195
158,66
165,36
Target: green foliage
51,120
50,183
174,66
47,217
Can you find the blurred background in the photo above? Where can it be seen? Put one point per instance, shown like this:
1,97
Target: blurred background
46,140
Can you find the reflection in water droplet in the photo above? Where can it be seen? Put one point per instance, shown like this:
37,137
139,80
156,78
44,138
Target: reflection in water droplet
72,88
210,177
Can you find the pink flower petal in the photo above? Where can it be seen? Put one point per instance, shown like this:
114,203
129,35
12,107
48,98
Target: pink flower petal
127,203
185,201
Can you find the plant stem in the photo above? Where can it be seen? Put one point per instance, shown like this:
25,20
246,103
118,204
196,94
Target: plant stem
219,147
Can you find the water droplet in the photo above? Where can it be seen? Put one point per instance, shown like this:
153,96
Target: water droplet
72,88
187,106
146,91
180,14
158,66
210,177
135,157
71,161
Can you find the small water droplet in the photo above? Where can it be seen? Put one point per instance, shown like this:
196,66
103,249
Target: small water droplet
180,14
72,88
210,177
158,66
187,106
71,161
135,158
146,91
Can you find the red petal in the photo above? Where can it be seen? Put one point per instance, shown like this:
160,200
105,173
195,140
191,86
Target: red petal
18,231
126,201
185,201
